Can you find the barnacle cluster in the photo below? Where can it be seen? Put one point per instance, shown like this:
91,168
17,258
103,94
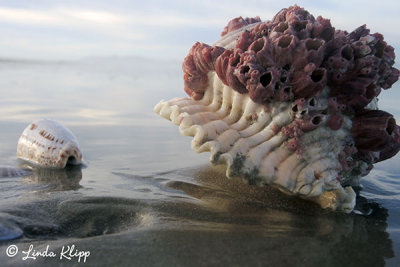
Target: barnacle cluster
293,58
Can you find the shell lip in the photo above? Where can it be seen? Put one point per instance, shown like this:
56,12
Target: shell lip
70,155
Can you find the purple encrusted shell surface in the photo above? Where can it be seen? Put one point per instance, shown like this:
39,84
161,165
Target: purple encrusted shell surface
294,57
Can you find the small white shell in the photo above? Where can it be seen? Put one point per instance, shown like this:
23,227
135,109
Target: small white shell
47,143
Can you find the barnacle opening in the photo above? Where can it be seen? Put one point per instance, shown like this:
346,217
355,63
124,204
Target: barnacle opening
287,90
244,69
316,120
317,75
281,27
257,45
300,26
313,44
285,41
347,52
264,32
327,34
266,79
286,67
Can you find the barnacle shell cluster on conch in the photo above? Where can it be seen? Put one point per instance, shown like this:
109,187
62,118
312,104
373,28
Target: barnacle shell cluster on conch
47,143
291,103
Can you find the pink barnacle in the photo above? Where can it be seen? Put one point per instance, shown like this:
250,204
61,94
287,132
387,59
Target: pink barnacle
310,123
196,65
287,131
335,121
297,132
275,128
293,144
301,103
375,130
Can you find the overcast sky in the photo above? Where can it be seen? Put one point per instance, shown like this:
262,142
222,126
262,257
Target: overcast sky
51,29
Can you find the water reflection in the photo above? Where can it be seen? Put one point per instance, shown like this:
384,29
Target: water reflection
57,179
358,238
368,240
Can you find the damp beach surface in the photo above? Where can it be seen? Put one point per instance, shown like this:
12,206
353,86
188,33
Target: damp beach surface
143,198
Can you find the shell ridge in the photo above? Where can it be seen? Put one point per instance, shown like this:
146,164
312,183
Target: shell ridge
275,157
258,151
258,123
270,162
291,164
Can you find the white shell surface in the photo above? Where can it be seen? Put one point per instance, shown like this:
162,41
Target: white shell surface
47,143
248,139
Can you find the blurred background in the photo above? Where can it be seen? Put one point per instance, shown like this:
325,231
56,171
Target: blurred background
53,29
63,57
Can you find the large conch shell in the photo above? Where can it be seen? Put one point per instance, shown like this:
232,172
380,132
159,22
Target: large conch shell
305,141
48,144
248,139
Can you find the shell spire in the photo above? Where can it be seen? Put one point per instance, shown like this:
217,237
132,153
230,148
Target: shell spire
288,102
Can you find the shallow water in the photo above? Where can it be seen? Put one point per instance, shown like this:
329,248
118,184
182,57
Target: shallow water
144,198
